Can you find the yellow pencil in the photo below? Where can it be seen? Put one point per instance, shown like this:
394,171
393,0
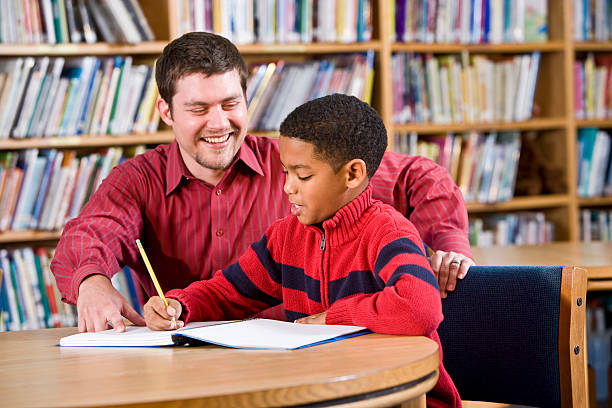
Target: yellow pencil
153,278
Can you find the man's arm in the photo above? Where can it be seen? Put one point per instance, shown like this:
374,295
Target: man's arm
92,249
425,193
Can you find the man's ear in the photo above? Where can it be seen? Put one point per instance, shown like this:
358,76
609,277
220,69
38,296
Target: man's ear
164,111
356,173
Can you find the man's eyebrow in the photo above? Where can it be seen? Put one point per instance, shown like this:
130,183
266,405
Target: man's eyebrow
202,103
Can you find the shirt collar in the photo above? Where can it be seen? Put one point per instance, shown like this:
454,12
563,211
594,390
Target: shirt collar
176,169
347,222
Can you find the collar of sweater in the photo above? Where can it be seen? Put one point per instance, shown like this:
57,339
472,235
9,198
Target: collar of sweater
348,221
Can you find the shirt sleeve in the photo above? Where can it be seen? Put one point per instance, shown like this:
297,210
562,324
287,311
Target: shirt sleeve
101,239
426,194
408,304
241,290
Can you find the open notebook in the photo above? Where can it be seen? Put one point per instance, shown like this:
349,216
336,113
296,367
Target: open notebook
250,333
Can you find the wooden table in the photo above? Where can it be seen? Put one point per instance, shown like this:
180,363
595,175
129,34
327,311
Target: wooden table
370,370
595,257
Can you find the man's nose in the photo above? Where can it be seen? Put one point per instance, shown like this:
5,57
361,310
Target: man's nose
217,118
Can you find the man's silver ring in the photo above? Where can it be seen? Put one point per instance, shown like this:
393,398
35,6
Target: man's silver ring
455,261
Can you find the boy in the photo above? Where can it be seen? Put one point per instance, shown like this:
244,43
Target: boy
341,257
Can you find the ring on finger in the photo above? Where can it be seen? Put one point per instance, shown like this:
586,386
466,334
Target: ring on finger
455,261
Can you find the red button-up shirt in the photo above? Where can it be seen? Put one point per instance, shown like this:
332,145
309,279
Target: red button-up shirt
189,228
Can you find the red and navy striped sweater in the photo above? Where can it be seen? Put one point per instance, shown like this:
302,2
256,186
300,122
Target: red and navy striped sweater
365,266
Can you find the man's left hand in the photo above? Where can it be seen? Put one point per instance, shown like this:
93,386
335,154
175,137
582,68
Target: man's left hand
448,267
318,318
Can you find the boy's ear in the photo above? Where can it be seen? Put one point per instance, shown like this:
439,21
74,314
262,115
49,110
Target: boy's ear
164,111
356,173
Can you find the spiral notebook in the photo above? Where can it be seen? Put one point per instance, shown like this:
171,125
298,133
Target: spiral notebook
249,334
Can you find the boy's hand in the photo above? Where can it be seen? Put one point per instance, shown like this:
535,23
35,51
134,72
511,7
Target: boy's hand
158,317
448,267
318,318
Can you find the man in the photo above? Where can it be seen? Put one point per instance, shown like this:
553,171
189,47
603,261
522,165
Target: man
198,203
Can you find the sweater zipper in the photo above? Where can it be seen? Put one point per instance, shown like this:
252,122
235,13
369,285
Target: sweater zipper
323,242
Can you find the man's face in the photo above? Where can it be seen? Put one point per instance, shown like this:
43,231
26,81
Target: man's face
209,119
315,191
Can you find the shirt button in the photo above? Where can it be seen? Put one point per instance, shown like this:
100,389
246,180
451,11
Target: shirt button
219,233
218,192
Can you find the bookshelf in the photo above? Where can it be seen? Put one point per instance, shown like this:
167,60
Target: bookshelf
554,123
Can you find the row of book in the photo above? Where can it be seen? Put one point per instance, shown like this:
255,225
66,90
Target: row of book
594,163
592,83
42,97
286,21
522,228
44,189
73,21
458,89
483,165
29,298
276,88
595,225
470,21
592,20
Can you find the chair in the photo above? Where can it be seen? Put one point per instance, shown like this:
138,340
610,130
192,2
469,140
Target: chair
516,335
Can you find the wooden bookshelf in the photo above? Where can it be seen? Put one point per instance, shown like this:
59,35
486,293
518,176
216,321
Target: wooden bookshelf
554,96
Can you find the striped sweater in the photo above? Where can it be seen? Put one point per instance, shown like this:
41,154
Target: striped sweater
365,266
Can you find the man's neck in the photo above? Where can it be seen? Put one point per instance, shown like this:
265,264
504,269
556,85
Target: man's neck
209,176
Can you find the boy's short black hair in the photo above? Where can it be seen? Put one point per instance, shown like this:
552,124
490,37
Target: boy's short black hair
341,128
197,52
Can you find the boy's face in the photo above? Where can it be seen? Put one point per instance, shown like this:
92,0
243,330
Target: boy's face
315,191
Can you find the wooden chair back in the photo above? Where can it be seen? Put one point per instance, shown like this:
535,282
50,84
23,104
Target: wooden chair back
517,335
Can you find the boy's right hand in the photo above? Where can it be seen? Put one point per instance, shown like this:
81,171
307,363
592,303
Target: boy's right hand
158,317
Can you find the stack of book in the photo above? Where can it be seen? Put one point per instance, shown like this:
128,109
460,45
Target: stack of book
29,298
592,20
42,97
44,189
73,21
594,163
287,21
595,225
523,228
483,165
592,85
452,89
276,88
470,21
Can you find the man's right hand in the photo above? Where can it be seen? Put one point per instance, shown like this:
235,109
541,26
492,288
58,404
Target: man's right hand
100,303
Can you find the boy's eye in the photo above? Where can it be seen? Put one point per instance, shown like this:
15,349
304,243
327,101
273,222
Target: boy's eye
285,172
304,178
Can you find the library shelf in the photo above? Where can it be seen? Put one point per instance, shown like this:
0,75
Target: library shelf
29,236
594,201
302,48
64,142
593,46
435,128
521,203
597,123
511,48
67,50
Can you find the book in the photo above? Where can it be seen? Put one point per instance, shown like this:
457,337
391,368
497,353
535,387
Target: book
250,334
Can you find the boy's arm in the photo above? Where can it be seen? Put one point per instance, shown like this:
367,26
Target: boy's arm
426,194
241,290
410,301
